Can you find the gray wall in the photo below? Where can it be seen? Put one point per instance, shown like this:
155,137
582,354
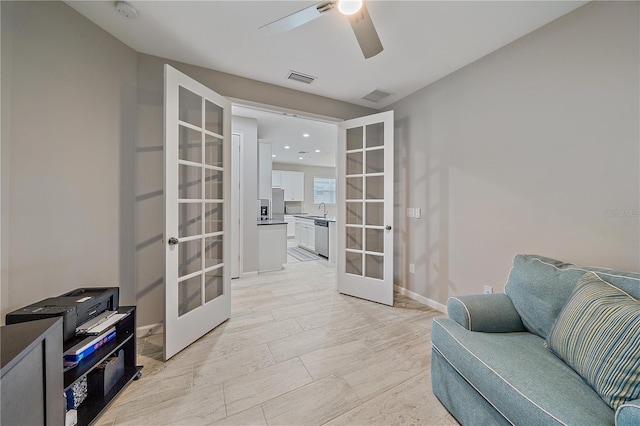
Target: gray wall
532,149
255,91
5,131
82,156
68,130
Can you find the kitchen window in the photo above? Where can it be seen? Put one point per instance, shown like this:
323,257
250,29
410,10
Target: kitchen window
324,190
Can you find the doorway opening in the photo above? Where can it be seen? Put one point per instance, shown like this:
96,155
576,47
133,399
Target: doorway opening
355,233
288,152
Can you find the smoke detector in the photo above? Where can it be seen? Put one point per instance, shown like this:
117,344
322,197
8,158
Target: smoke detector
126,9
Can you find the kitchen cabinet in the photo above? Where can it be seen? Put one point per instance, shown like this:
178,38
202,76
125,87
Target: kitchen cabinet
276,181
291,226
306,234
291,182
272,247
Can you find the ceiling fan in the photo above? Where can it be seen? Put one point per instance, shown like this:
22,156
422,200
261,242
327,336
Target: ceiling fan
355,10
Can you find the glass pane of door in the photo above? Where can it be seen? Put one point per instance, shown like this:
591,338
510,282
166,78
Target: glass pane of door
190,107
190,257
189,295
364,233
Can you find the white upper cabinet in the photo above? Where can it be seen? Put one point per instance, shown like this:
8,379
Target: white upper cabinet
291,182
276,182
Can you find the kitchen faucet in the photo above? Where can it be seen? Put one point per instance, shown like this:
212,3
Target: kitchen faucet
324,209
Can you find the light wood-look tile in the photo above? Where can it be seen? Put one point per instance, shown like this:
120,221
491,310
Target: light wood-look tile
300,344
410,403
294,352
337,359
251,417
263,385
224,368
315,403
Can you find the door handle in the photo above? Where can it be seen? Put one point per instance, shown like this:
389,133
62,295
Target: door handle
173,241
388,227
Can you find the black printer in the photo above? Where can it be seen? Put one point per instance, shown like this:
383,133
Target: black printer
75,308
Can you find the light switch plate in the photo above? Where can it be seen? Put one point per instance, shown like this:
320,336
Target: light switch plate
418,212
412,268
411,212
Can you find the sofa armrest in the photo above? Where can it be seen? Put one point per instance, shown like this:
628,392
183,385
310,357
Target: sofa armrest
491,313
628,414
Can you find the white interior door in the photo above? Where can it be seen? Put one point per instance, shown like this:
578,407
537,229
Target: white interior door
365,208
197,189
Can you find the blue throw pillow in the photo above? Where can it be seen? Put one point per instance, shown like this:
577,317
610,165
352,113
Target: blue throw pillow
597,333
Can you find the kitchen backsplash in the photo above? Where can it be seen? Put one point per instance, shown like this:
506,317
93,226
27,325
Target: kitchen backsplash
293,207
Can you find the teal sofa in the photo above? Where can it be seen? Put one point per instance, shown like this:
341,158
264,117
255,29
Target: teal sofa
490,364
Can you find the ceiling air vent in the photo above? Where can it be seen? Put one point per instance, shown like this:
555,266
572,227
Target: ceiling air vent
302,78
377,95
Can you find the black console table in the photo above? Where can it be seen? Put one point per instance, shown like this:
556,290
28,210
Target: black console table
33,377
125,339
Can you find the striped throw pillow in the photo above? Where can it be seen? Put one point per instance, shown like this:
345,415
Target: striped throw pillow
597,333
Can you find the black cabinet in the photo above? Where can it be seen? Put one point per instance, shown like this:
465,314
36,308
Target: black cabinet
125,339
31,373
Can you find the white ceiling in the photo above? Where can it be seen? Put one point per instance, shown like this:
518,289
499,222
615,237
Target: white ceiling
282,130
423,40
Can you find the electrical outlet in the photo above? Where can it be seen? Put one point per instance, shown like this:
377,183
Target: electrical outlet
412,268
488,289
418,212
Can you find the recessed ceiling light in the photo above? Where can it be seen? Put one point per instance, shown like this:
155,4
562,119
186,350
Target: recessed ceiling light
287,147
300,158
305,135
273,155
317,150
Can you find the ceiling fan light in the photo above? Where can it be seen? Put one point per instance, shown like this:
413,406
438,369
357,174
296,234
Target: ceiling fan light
349,7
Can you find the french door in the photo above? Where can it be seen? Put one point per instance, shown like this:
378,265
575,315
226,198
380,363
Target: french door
197,210
365,207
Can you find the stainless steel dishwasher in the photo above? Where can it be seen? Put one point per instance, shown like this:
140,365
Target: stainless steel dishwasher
322,237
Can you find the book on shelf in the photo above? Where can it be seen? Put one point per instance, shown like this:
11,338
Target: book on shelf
87,346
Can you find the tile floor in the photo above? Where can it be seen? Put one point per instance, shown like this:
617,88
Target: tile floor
295,352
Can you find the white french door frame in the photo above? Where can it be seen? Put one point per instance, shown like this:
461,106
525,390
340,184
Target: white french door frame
364,284
199,316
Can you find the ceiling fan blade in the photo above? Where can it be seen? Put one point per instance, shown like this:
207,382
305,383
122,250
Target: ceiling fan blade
366,33
297,18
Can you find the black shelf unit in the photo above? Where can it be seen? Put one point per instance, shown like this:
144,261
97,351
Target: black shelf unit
95,404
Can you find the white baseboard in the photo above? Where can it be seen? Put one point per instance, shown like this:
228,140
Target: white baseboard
418,298
249,274
148,330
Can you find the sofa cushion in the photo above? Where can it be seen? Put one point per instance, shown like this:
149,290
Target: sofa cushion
540,286
524,381
598,334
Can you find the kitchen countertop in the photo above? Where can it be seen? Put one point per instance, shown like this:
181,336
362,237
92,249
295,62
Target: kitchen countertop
326,219
271,222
